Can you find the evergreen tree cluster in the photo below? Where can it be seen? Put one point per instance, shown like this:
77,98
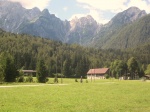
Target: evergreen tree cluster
131,68
8,70
52,57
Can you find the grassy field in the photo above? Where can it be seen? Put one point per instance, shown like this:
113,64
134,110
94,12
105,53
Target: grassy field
98,96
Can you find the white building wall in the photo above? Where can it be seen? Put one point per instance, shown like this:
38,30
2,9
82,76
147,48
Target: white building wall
95,77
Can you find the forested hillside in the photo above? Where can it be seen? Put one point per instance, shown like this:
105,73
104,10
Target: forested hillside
127,29
131,35
71,60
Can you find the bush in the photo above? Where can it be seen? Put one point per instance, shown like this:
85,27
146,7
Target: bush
55,79
106,76
29,78
76,80
60,75
86,81
20,79
143,79
46,80
2,76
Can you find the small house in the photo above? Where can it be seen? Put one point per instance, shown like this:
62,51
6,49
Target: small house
29,72
98,73
147,77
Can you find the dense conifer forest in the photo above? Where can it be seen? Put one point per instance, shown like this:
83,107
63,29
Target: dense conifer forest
71,60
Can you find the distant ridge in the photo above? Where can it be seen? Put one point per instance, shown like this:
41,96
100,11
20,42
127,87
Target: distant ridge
126,30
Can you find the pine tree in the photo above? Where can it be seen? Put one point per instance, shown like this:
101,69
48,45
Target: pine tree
41,71
133,67
67,68
147,71
8,65
2,76
79,70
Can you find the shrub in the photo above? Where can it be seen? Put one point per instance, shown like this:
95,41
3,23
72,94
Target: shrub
143,79
46,80
55,79
106,76
2,76
76,80
86,81
20,79
29,78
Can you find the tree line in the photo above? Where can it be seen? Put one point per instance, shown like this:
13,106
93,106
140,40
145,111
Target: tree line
71,60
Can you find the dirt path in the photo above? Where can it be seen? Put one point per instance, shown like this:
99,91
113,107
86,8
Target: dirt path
10,86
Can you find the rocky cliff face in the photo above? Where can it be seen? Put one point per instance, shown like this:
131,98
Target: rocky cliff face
13,15
48,26
14,18
127,16
82,30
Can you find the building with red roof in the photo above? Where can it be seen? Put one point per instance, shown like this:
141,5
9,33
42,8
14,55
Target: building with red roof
98,73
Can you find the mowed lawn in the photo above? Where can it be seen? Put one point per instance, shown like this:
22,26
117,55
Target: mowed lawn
98,96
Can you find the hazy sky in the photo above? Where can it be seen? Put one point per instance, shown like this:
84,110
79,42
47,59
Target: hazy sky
101,10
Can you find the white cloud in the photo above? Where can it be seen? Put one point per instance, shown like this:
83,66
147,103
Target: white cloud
41,4
98,16
98,7
148,0
77,16
142,4
112,5
94,13
65,8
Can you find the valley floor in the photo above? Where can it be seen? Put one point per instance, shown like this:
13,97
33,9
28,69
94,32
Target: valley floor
71,96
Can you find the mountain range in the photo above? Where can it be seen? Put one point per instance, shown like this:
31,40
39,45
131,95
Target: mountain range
127,29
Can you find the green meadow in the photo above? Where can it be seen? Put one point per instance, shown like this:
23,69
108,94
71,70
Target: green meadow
71,96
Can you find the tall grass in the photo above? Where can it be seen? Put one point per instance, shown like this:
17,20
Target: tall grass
95,96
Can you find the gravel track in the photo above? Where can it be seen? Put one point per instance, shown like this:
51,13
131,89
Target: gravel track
11,86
